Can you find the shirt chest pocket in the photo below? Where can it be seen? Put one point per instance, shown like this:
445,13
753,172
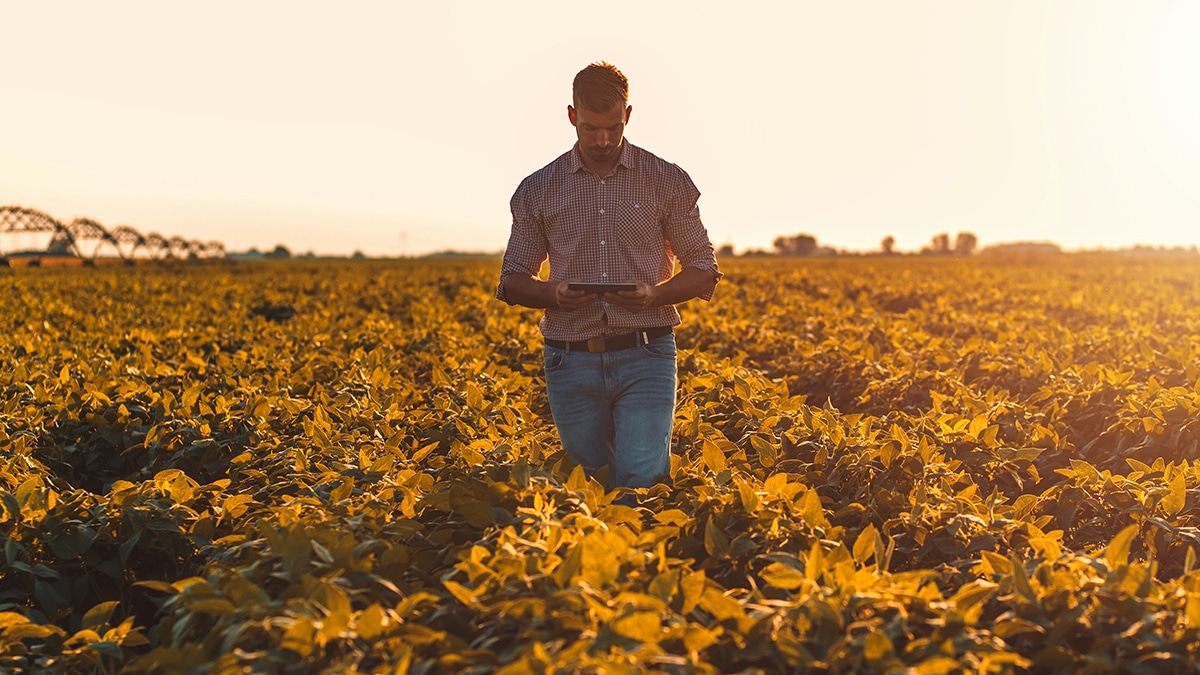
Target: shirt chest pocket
638,222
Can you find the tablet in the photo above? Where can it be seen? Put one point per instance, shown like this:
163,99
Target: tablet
601,287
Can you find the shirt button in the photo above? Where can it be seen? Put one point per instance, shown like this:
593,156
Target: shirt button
602,181
604,274
601,211
601,242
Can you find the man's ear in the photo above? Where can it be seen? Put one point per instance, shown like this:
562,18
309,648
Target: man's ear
571,114
628,110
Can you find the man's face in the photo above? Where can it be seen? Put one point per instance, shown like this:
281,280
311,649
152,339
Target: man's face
600,134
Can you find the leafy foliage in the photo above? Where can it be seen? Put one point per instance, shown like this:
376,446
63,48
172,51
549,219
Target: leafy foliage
883,465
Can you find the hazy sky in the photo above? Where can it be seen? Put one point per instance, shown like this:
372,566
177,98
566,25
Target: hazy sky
402,128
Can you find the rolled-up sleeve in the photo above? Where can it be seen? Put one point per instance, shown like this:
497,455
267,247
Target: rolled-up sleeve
527,243
685,231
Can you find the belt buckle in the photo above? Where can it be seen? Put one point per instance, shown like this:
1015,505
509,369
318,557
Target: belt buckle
595,345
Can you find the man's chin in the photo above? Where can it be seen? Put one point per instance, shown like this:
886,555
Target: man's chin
597,156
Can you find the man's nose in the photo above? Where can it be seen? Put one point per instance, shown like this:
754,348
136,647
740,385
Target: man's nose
602,139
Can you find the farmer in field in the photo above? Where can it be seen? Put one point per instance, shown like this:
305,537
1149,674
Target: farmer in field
608,211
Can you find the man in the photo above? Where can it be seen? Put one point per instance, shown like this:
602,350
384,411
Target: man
608,211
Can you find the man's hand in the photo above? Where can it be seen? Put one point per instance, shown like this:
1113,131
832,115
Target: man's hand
634,301
569,300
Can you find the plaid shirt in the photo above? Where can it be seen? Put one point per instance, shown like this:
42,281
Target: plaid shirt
628,225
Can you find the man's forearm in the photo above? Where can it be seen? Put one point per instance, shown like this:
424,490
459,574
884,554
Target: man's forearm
529,291
690,283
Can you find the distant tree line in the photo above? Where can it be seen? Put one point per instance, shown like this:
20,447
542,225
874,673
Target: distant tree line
804,244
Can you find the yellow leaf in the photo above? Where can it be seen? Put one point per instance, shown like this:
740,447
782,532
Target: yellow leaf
815,566
938,665
750,500
698,638
714,458
974,593
641,626
692,587
877,647
235,506
212,606
721,606
775,483
30,630
600,564
192,394
1117,551
978,425
811,510
474,396
1176,497
461,593
1021,580
299,637
1193,610
1016,626
864,545
781,576
671,517
577,481
11,619
99,615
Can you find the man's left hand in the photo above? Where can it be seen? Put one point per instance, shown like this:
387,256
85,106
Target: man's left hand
634,301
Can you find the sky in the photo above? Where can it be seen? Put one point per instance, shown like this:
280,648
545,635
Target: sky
402,128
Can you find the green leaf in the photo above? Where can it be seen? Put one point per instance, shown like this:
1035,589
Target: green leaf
715,541
72,544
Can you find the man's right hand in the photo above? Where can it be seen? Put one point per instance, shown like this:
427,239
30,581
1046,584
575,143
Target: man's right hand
569,300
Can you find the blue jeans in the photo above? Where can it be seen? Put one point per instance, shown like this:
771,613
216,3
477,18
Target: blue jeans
616,409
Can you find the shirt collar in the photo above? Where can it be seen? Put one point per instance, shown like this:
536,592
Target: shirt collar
628,158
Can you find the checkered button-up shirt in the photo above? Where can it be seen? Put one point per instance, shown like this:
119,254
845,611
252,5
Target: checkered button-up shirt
629,225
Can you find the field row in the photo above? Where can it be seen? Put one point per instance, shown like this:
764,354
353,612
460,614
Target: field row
879,464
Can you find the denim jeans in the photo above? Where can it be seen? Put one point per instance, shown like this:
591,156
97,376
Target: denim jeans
616,409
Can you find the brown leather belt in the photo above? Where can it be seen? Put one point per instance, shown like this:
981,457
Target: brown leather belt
612,343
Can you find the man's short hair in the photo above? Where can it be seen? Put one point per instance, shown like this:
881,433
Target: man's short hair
600,87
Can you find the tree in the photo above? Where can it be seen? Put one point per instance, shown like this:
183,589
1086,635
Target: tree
726,251
965,243
940,244
797,244
888,245
280,251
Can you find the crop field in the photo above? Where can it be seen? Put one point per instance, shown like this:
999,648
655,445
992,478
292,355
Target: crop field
880,465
